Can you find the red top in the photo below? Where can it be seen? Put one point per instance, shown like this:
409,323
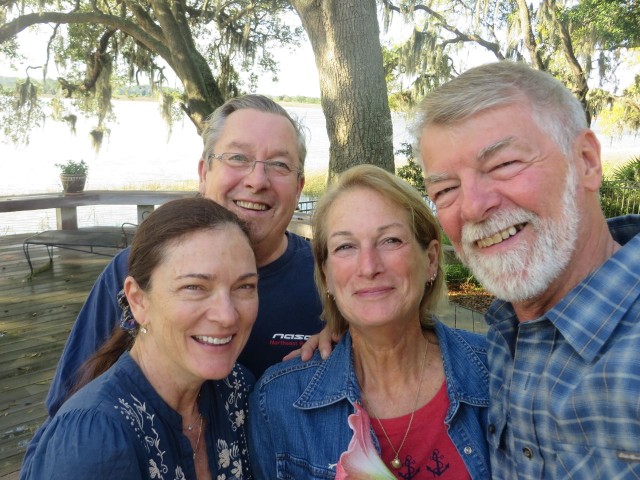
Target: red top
428,451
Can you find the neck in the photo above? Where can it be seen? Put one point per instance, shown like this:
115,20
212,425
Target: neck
268,251
593,249
181,397
388,368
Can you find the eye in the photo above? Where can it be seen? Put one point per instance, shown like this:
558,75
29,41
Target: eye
391,241
279,167
342,248
505,164
192,287
238,159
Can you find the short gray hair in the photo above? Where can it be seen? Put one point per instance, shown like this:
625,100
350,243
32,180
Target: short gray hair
215,122
555,109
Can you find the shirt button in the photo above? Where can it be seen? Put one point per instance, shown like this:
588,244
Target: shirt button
468,450
492,428
527,452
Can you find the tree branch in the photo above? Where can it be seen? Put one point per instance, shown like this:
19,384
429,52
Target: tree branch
14,27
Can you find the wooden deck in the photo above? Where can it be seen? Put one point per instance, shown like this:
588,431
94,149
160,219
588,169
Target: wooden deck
36,316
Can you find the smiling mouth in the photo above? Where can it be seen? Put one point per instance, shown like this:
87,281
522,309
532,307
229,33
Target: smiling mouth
251,205
212,340
500,236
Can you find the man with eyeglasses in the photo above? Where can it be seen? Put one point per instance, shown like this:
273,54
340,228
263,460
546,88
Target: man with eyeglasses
252,164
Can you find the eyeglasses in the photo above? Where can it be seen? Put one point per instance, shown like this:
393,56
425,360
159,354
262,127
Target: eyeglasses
245,164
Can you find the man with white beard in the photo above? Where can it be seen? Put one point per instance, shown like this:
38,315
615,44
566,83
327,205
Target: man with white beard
514,172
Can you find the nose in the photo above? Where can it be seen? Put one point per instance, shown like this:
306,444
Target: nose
479,197
222,310
369,262
257,177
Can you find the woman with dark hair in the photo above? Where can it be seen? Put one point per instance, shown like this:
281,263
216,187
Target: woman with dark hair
165,398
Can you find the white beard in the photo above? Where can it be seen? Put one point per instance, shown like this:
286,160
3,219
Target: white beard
527,270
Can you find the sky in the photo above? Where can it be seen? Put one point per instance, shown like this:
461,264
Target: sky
297,75
297,70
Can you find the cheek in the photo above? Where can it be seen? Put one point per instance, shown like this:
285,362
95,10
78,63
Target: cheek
450,224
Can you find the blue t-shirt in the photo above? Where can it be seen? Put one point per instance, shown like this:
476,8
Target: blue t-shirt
289,311
117,426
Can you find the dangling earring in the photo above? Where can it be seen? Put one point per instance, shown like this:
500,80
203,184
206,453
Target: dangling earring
329,295
431,280
143,329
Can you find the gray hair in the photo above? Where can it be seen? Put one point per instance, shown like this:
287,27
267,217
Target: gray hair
215,122
556,111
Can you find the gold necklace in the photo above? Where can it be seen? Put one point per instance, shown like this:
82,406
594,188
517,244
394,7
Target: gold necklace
395,463
190,428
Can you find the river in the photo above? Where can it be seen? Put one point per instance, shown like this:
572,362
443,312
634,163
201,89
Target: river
138,153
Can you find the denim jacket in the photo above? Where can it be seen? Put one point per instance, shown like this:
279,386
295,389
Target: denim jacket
298,411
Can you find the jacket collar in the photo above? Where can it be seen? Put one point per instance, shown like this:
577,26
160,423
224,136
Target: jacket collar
332,382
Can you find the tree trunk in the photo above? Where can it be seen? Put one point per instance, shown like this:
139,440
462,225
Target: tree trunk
344,35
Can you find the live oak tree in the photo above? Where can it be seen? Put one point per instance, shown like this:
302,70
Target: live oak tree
100,44
201,42
578,42
345,38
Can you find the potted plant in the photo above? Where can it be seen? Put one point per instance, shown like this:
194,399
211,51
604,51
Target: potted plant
73,175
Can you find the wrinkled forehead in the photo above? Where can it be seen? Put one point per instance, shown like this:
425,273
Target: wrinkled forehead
256,132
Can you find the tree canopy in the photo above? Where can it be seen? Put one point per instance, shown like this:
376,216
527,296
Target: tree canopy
100,44
582,43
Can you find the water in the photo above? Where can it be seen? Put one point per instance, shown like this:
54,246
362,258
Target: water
137,154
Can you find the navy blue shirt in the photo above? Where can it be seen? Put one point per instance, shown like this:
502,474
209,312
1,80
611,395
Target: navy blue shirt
117,426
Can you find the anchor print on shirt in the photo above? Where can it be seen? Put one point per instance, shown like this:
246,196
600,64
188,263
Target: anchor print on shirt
436,468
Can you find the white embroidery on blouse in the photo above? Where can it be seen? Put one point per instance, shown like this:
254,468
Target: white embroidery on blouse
138,418
230,456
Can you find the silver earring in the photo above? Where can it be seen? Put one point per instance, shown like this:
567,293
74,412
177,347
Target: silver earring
143,329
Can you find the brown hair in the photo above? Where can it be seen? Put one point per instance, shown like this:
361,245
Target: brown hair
421,220
163,228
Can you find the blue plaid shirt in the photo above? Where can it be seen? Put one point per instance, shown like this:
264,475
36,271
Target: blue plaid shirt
565,388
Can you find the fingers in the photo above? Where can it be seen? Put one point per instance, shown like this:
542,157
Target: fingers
322,341
325,343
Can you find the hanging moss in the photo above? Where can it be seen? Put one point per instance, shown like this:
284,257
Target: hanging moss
97,135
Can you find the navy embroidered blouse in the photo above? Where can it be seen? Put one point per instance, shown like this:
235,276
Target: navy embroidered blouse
117,426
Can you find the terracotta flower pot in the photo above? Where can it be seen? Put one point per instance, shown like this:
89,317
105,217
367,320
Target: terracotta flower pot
72,183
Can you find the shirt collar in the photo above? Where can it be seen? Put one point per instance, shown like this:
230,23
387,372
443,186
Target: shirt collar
589,313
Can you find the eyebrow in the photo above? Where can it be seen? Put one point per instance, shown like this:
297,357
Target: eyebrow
342,233
248,146
484,155
206,276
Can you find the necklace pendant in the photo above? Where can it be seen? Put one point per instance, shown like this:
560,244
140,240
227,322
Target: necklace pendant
395,463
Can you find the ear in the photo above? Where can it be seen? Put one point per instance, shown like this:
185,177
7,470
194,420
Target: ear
136,298
202,175
327,279
300,187
433,253
588,163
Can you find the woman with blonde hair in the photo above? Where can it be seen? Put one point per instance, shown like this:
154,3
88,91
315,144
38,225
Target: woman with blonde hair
423,385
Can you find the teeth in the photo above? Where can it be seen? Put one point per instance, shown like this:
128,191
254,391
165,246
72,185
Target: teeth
213,340
251,205
499,236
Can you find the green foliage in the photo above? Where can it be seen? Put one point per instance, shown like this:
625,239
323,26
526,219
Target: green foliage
71,167
457,273
20,111
102,47
629,171
579,42
411,172
314,185
296,99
